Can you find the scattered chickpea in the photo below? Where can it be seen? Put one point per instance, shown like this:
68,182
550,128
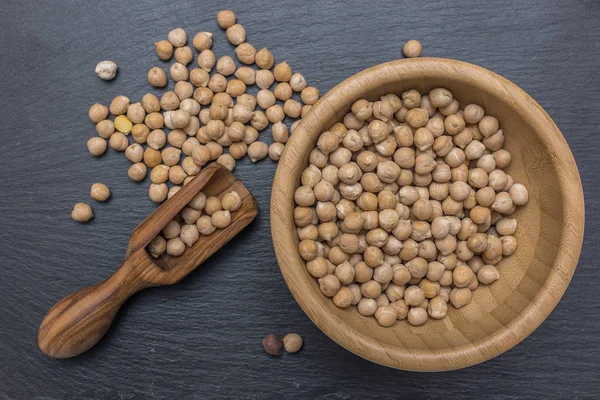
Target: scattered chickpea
106,70
292,342
202,41
264,58
118,141
226,18
96,146
82,212
157,77
158,192
98,112
236,34
257,151
100,192
137,172
412,48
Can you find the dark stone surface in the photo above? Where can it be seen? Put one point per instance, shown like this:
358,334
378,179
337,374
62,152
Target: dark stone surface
202,338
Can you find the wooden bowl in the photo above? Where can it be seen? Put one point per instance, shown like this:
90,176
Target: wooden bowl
532,280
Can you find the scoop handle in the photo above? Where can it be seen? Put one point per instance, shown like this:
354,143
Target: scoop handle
77,322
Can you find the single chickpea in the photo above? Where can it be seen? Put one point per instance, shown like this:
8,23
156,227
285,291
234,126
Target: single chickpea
202,41
200,78
184,55
417,316
226,18
105,128
157,77
460,297
474,150
106,70
518,194
503,203
412,48
177,175
292,342
502,158
329,285
488,274
118,105
189,234
97,113
383,273
175,247
437,308
345,273
100,192
231,201
454,124
157,246
488,125
236,34
198,202
257,151
246,53
227,161
394,292
158,192
371,289
309,95
246,75
217,83
205,226
221,219
414,295
264,78
96,146
137,172
264,58
317,267
386,315
440,97
82,212
509,245
118,141
506,226
367,306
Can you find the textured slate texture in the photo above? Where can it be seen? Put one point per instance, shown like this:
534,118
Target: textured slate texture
202,338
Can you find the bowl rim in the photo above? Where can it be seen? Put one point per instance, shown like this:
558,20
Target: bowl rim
501,340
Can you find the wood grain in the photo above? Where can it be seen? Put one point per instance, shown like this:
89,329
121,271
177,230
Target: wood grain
77,322
532,281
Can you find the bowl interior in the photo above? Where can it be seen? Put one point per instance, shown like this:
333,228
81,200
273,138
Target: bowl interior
549,233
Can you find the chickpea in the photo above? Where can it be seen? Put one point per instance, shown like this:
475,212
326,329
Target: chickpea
488,274
82,212
519,194
386,315
460,297
205,226
367,306
437,308
329,285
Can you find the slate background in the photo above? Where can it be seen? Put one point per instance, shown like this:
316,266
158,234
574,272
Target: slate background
202,338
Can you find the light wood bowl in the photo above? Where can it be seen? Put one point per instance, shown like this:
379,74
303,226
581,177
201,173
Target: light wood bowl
532,281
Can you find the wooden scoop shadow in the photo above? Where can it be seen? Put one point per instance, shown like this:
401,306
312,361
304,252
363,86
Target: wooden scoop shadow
77,322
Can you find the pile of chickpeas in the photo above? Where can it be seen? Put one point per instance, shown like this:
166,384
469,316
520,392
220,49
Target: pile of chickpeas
405,206
202,216
208,111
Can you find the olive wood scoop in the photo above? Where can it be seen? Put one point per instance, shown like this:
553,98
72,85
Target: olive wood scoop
77,322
